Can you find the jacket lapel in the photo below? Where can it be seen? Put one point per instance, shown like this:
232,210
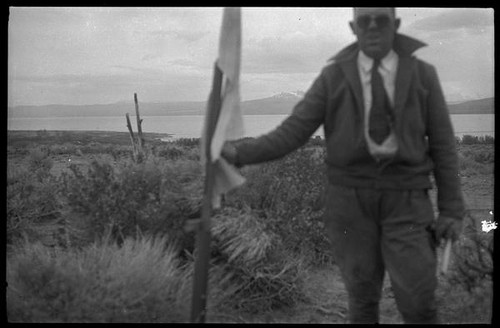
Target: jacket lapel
350,70
403,82
404,47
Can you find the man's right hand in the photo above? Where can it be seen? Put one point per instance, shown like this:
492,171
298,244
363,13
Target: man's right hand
229,153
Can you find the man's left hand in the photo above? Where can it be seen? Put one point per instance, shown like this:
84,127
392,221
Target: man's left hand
447,228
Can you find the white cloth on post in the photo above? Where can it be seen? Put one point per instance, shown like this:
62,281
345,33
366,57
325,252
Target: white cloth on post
230,121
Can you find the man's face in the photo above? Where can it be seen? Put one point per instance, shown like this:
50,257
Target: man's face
375,29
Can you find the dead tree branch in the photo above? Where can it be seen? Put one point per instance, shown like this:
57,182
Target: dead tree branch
132,139
139,124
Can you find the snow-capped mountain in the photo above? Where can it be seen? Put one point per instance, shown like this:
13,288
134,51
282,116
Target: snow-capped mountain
289,95
279,104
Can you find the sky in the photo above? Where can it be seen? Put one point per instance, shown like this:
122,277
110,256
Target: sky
86,55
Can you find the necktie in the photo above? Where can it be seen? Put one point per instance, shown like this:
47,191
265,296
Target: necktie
380,112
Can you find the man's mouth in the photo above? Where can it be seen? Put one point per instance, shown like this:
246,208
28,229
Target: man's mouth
373,38
374,41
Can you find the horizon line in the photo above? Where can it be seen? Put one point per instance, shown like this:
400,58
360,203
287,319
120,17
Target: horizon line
197,101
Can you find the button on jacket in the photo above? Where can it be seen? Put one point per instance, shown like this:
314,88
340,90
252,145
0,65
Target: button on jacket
423,129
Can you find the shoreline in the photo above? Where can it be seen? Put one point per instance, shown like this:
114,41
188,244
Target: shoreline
19,138
198,114
164,137
88,132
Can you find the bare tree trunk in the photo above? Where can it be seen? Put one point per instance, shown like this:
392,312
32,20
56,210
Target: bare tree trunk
132,138
137,143
139,124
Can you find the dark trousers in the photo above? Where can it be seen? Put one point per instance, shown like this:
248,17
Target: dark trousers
373,231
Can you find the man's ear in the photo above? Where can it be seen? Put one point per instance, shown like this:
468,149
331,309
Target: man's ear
397,22
353,27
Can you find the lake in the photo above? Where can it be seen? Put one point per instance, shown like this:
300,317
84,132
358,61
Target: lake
190,126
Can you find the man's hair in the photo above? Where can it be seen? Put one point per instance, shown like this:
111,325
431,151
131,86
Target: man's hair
393,9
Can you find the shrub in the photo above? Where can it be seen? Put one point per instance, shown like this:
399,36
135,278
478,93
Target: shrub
33,208
187,142
42,133
39,160
468,165
183,148
116,204
171,153
473,259
467,288
288,195
474,140
486,157
254,259
141,281
64,149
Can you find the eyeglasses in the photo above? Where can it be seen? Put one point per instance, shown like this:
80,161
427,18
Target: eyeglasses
364,21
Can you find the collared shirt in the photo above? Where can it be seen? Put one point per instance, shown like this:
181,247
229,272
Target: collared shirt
388,68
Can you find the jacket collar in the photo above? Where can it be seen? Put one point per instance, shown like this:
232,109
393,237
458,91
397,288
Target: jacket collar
388,63
403,45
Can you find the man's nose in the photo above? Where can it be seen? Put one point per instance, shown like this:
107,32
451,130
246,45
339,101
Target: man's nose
372,24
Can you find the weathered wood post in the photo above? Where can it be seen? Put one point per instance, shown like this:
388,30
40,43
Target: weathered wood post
139,124
132,138
137,143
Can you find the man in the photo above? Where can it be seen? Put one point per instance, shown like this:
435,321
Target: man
387,129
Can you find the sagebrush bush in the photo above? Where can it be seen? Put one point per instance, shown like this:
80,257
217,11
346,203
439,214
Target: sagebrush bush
468,165
64,149
187,142
485,157
183,148
39,160
473,257
141,281
267,275
467,287
243,238
33,208
289,195
145,197
474,140
170,152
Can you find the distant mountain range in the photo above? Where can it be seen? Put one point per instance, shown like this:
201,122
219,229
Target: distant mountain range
478,106
278,104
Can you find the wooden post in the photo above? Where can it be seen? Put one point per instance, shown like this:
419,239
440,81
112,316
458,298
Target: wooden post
132,138
137,143
198,309
139,124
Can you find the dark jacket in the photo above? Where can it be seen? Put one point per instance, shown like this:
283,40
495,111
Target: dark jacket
422,126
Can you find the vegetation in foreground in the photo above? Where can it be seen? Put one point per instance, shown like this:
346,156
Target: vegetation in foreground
93,236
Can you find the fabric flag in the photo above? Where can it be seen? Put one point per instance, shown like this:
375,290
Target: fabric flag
229,125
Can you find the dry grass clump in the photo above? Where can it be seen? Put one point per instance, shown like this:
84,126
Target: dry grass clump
151,197
467,290
476,159
267,275
469,166
242,238
141,281
32,206
288,193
